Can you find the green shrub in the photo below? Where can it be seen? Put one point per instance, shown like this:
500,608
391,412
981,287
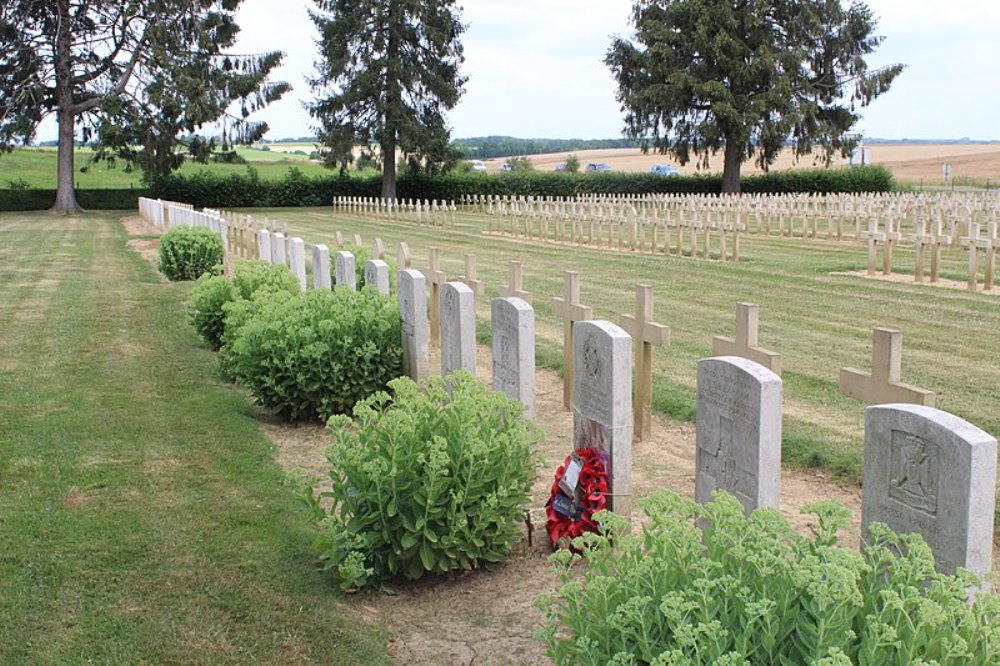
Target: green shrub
207,304
315,354
751,591
432,479
187,253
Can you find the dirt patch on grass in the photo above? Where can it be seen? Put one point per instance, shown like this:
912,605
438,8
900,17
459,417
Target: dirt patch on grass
488,617
942,283
136,226
74,500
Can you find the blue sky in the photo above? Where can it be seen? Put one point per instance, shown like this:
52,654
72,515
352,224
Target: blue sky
535,67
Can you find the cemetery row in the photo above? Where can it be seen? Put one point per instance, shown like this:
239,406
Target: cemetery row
925,470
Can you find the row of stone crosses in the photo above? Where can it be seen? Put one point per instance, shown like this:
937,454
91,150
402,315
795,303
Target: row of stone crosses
925,470
427,212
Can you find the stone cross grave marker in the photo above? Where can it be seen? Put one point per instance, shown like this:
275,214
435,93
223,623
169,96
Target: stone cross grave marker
458,328
358,240
602,404
278,249
974,242
513,322
569,308
882,384
470,279
411,286
516,287
874,237
738,432
942,238
298,261
264,245
930,472
321,267
745,342
338,239
344,270
922,240
991,244
645,335
435,277
403,257
378,249
377,274
892,236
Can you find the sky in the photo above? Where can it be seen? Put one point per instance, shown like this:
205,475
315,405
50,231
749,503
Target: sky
535,68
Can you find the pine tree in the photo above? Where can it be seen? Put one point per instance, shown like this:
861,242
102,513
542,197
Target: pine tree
131,75
389,69
746,76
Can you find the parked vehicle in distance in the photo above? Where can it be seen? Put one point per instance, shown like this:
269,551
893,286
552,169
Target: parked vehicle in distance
560,167
598,166
664,170
504,167
478,165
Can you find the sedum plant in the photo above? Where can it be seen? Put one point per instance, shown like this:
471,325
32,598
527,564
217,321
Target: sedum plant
311,355
433,478
187,253
748,590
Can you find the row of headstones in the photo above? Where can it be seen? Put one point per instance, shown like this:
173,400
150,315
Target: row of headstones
158,212
625,229
272,248
430,212
931,240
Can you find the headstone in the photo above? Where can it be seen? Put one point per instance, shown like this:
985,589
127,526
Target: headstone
411,287
882,385
930,472
513,322
458,328
602,404
321,267
646,334
738,432
378,248
745,342
571,310
297,261
403,257
344,269
278,249
377,274
264,245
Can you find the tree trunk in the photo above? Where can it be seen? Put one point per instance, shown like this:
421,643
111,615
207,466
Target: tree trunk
731,169
65,194
389,166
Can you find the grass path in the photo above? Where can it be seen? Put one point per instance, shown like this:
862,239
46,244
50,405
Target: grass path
142,519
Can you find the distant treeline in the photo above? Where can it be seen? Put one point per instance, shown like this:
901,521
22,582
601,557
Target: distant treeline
485,147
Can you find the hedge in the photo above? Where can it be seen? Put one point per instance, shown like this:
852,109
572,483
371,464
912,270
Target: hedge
36,199
208,189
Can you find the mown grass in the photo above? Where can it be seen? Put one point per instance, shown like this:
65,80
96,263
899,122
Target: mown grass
142,519
817,317
36,168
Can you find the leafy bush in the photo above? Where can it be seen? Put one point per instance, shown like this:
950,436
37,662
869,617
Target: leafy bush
751,591
432,479
206,306
186,253
309,356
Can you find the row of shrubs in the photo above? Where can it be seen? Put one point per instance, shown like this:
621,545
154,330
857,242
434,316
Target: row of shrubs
21,199
433,478
429,478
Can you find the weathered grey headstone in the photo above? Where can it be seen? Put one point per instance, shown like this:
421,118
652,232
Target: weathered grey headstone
377,274
602,403
930,472
513,323
344,269
411,287
278,249
297,260
458,328
321,267
738,432
264,245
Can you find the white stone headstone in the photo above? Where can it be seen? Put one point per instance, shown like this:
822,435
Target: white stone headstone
344,270
297,260
930,472
278,249
264,245
602,403
411,287
513,322
738,432
377,275
321,267
458,328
